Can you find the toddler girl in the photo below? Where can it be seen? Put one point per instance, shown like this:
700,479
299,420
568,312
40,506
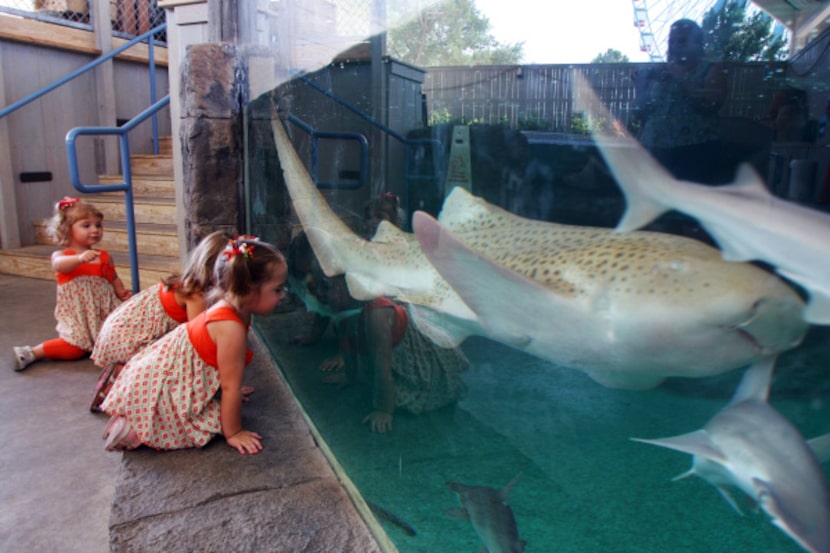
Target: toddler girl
88,287
154,312
166,395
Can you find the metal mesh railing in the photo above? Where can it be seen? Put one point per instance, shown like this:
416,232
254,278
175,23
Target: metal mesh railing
128,18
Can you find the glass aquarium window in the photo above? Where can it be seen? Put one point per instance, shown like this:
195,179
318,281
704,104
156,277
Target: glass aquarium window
559,274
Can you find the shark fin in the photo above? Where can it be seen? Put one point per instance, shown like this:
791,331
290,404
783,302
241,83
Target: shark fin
724,493
625,381
440,328
389,233
693,443
637,173
496,294
821,447
755,382
641,211
748,182
458,512
505,491
818,308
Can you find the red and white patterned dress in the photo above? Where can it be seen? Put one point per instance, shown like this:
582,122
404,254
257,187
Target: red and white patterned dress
85,298
426,375
136,324
167,391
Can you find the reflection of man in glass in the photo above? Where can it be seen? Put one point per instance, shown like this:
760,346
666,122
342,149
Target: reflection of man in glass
678,104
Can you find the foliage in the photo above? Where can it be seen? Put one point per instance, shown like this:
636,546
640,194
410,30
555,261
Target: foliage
442,116
733,35
451,32
534,124
611,56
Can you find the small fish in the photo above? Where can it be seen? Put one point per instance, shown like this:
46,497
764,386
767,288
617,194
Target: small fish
749,445
746,221
490,516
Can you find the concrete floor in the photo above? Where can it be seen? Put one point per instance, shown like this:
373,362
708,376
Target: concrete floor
56,480
60,491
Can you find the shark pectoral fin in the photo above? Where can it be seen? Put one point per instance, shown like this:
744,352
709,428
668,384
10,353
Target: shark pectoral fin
500,298
693,443
625,381
818,307
724,493
821,447
731,249
755,382
505,491
458,512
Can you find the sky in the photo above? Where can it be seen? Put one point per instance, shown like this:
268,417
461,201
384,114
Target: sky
565,31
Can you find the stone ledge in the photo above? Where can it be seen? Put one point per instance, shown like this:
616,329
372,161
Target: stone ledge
286,498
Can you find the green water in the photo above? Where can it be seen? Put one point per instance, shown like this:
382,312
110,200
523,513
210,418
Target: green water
584,485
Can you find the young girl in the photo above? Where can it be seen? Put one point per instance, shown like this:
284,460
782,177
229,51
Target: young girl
88,286
405,369
154,312
166,395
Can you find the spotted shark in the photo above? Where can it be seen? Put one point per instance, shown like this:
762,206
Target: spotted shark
746,221
490,515
629,310
749,445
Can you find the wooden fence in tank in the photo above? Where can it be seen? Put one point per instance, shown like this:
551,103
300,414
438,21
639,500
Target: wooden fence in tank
539,97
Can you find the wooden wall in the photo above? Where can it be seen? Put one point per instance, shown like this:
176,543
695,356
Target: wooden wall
35,54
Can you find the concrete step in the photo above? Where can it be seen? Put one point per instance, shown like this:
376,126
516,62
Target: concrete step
151,238
34,262
143,185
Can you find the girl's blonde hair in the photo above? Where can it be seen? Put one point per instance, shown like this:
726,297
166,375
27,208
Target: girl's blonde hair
66,213
197,277
245,263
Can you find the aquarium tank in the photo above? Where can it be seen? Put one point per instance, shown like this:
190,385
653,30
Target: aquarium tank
560,273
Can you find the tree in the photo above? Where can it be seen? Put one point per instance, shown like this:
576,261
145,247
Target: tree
611,56
733,35
451,32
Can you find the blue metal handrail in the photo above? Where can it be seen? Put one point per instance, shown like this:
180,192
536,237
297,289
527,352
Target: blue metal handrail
315,135
407,143
127,185
93,64
121,132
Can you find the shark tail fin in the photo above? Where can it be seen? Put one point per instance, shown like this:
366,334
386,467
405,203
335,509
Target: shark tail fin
755,382
641,210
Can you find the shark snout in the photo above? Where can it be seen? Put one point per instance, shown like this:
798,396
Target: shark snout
774,324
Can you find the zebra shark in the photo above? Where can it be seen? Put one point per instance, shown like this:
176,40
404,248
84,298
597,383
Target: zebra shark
746,221
628,310
749,445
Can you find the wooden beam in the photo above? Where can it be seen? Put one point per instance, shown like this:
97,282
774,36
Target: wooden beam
68,38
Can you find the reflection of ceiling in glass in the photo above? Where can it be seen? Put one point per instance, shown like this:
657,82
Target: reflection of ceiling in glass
806,19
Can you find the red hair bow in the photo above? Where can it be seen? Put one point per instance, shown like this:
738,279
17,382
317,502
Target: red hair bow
67,201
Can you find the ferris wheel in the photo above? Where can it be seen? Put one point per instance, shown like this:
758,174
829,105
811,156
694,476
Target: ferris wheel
654,18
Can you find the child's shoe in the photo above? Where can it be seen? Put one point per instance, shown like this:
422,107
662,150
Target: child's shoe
24,356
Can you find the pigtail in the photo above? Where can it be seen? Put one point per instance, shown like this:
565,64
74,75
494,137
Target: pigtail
244,263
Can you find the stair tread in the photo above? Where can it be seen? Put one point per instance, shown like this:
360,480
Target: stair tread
119,177
121,259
